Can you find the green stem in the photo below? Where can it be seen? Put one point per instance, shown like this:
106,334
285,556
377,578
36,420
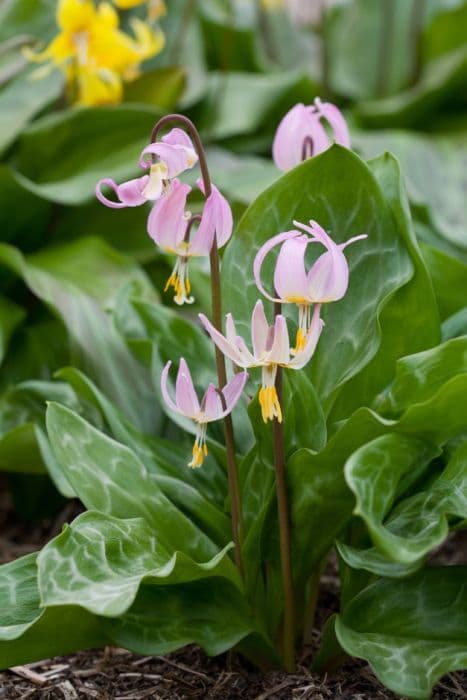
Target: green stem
232,468
284,530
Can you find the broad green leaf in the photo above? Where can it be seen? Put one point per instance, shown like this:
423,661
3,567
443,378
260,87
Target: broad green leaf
19,451
209,613
445,33
108,477
31,214
100,562
27,631
161,87
449,276
98,142
21,99
375,562
339,191
420,376
375,474
409,321
97,346
412,632
455,325
432,167
22,16
370,47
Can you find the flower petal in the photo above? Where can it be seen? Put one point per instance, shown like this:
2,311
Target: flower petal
336,120
212,404
261,255
185,394
216,406
280,350
259,329
290,279
166,222
164,388
227,348
311,341
216,220
297,127
129,193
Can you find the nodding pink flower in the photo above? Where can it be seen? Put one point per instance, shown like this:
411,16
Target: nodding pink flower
168,158
215,404
271,349
326,281
301,134
169,225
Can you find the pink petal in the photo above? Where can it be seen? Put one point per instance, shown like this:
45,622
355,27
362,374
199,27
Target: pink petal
212,404
176,158
216,220
298,125
304,356
290,274
259,329
129,193
336,120
233,390
178,137
280,351
227,348
166,222
361,237
185,394
261,255
164,388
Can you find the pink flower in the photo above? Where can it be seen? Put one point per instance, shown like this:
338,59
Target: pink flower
271,349
326,281
168,225
301,135
214,405
168,158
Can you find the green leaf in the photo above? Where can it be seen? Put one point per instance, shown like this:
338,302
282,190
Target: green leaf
27,631
449,276
100,562
98,142
376,562
27,226
20,16
420,376
412,632
209,613
337,189
21,99
161,87
109,477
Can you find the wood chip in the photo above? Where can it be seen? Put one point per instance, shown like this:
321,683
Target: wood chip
186,669
69,693
29,674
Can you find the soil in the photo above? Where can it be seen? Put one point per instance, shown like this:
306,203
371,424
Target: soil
116,674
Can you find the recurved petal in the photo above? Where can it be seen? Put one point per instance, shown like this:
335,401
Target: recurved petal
129,193
164,388
290,275
261,256
230,395
216,221
178,137
227,348
167,222
336,120
280,350
185,394
311,341
259,329
295,128
328,278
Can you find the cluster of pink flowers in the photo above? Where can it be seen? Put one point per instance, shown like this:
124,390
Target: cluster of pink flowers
169,223
299,136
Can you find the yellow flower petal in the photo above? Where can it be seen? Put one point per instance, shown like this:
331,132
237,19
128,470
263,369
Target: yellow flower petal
75,15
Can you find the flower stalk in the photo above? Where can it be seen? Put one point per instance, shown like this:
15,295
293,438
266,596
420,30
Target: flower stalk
284,528
216,300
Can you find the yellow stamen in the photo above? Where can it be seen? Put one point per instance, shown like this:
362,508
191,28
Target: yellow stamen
299,341
269,402
199,453
180,282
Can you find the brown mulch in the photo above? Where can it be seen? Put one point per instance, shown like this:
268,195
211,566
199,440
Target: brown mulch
115,674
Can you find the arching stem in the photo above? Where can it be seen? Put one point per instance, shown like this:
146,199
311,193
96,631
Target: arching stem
216,298
284,530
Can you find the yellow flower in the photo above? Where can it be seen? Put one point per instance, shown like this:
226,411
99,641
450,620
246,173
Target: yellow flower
94,53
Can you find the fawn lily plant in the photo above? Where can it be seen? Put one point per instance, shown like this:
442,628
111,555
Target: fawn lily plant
214,405
326,281
271,349
301,134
